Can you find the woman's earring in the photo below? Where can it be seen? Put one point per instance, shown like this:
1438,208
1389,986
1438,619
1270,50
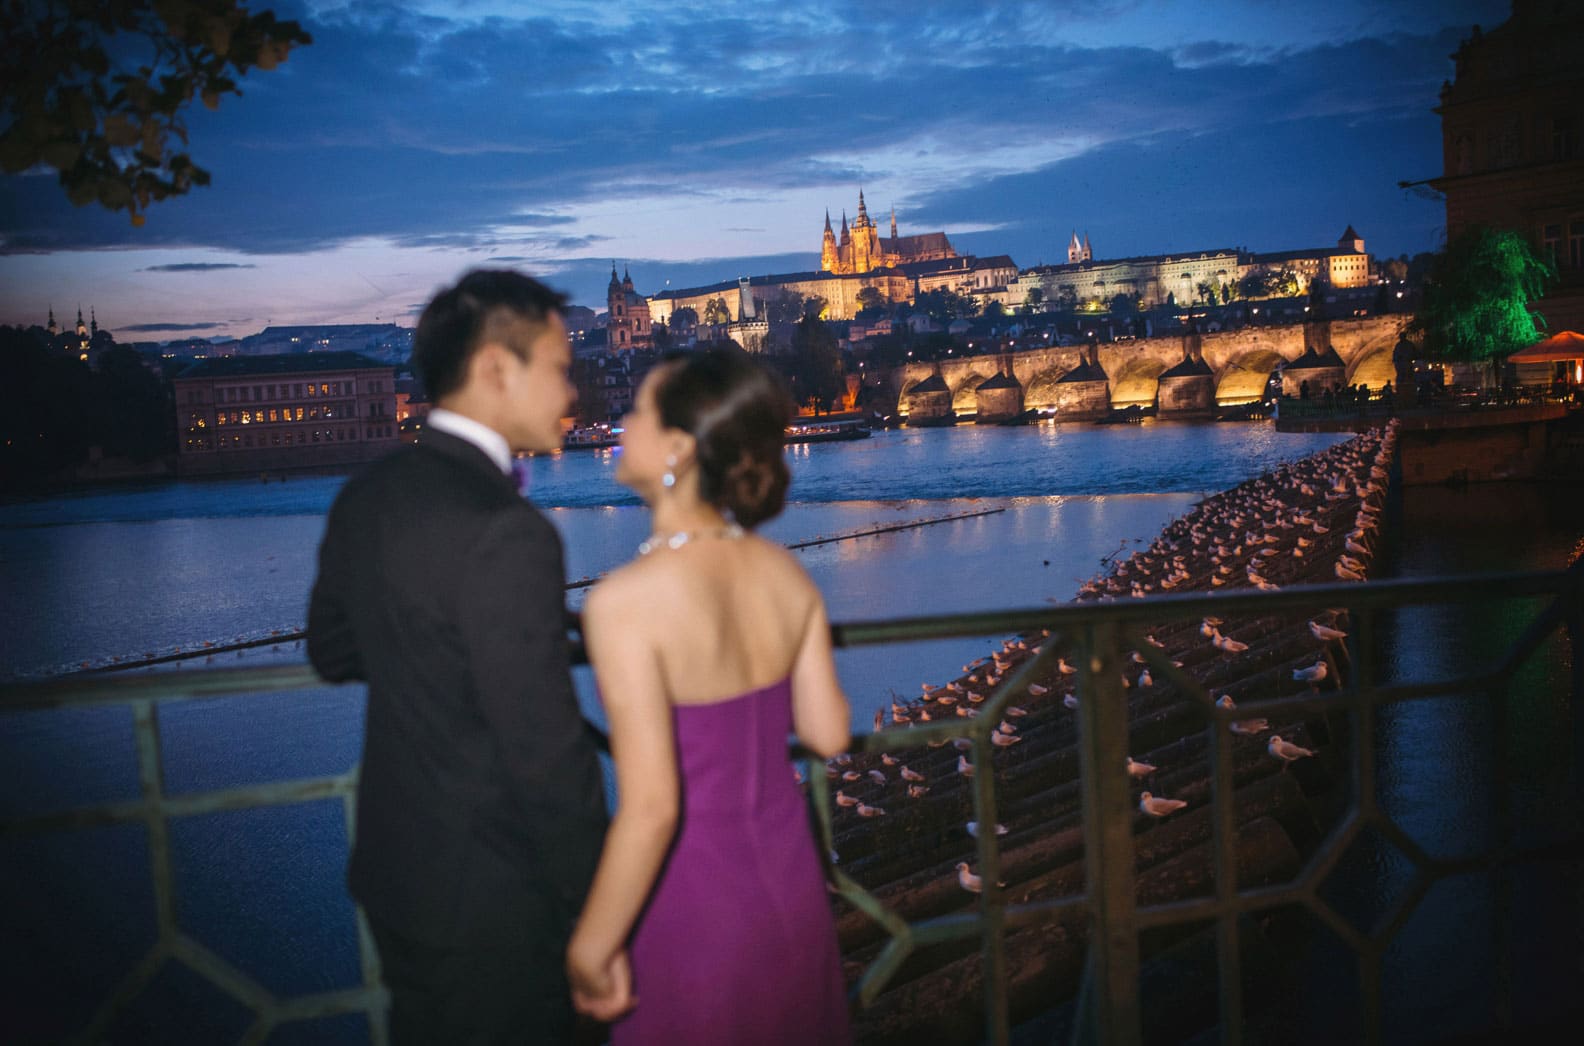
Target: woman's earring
669,479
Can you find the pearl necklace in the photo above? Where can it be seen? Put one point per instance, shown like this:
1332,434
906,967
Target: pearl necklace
682,537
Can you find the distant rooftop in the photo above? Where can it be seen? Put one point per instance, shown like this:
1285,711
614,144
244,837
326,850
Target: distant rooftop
287,363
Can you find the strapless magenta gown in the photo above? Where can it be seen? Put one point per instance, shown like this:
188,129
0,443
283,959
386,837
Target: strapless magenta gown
738,944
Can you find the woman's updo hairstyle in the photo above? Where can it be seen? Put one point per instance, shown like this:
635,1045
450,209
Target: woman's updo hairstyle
737,412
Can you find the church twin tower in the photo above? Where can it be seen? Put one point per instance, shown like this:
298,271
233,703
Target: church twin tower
860,248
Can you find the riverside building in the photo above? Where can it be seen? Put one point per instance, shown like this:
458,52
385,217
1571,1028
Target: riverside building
273,413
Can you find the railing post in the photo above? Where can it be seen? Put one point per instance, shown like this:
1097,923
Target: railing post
1113,966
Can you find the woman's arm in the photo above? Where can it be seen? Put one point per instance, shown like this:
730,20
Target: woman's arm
820,714
644,751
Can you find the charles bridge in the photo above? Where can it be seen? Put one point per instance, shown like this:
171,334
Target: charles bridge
1185,375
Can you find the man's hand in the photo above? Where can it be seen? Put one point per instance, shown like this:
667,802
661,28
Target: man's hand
602,990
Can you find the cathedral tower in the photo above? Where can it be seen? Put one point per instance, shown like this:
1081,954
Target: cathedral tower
829,259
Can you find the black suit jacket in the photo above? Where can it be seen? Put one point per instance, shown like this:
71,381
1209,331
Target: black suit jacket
480,812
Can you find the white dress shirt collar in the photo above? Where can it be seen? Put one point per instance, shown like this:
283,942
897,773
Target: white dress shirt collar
492,443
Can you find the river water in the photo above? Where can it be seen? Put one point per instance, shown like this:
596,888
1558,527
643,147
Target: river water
125,572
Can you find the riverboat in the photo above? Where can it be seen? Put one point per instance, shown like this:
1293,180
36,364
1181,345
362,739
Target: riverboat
827,431
591,437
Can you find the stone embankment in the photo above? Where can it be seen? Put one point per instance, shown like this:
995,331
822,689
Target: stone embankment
899,826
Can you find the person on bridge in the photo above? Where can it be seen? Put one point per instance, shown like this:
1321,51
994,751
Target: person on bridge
480,811
710,649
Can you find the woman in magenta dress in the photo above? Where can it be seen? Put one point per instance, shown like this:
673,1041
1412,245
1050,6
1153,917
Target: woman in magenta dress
708,919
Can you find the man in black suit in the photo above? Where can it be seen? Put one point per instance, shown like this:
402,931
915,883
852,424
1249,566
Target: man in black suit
480,813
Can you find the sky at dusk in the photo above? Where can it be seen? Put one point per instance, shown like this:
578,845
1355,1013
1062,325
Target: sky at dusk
697,142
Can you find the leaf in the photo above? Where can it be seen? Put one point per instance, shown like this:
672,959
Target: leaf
211,100
119,131
61,155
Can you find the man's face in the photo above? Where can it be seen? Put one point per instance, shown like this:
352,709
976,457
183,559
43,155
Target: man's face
540,391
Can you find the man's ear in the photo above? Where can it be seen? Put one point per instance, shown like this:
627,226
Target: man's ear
487,366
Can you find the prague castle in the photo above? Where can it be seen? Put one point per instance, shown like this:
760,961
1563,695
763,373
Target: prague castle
861,248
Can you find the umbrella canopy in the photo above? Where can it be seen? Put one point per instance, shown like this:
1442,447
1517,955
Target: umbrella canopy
1564,345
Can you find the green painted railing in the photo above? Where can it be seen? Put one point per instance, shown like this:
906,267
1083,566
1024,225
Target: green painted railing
1093,636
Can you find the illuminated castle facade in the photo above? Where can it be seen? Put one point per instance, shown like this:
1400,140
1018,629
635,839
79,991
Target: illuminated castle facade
860,248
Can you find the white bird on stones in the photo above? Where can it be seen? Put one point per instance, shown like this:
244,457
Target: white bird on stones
870,811
1005,727
975,698
1004,740
1348,575
1138,769
1145,679
1319,529
916,791
964,767
1311,675
909,774
972,828
1286,751
851,775
1325,633
1228,644
1016,712
968,880
1247,727
1158,807
965,712
1071,701
1355,547
843,799
1037,690
877,776
888,759
1063,667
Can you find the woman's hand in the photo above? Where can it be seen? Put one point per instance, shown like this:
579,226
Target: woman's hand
602,989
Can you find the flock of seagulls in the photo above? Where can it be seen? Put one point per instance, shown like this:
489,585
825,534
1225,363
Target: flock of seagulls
1278,529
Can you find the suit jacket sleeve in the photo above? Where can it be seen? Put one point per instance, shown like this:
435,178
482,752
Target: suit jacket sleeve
513,622
332,642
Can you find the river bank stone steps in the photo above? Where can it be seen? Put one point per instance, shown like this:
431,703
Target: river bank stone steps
1325,507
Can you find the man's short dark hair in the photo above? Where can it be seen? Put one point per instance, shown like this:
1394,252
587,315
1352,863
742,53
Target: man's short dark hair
486,304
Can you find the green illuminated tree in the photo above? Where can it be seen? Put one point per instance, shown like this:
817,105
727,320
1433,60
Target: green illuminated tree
1476,300
715,311
97,89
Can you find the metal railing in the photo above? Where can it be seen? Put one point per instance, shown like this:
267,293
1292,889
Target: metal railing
1095,637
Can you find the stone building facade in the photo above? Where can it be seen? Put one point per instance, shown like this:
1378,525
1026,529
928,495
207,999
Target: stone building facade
629,323
246,414
1512,134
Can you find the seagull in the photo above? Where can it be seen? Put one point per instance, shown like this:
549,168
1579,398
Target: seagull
877,776
1071,701
1229,645
1286,751
1016,712
968,880
1063,667
1325,633
1037,690
851,775
1311,675
1145,679
1001,740
911,775
964,767
973,829
1138,769
888,759
843,799
917,791
1155,807
870,811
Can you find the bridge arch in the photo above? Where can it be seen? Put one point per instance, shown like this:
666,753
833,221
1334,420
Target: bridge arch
1137,383
965,391
1243,379
1041,391
1374,368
